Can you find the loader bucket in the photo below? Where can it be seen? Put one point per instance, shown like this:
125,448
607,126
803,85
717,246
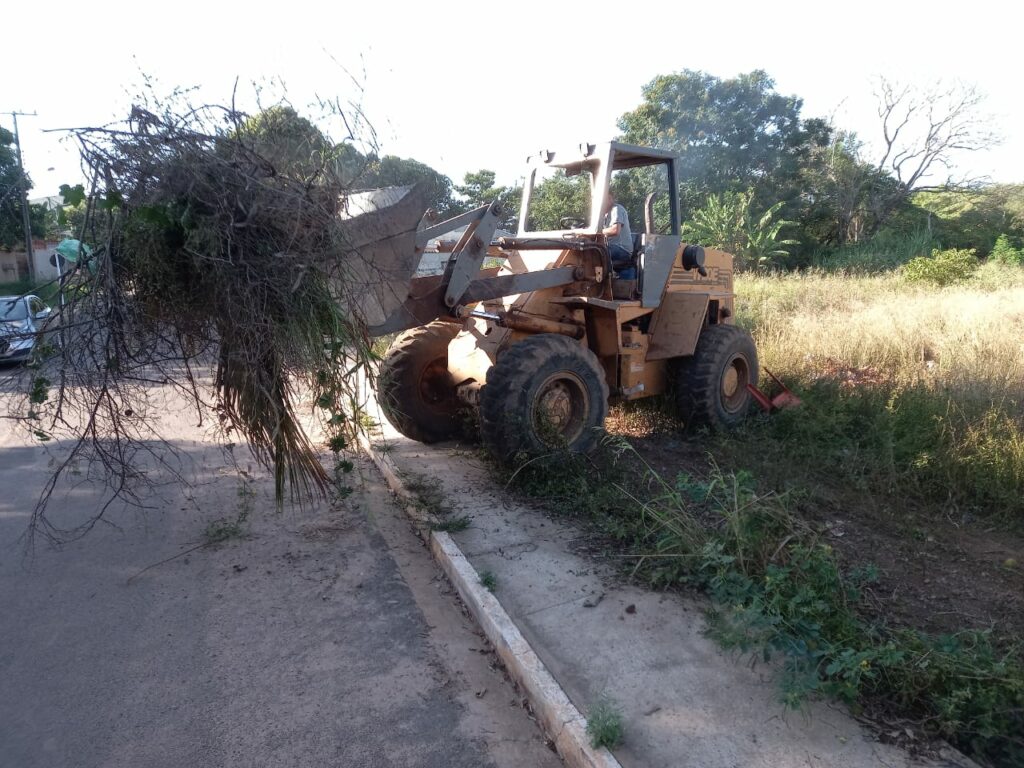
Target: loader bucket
378,228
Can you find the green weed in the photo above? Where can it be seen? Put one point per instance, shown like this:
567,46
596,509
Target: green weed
454,525
604,724
225,528
914,442
882,253
1004,253
427,494
942,267
489,580
779,592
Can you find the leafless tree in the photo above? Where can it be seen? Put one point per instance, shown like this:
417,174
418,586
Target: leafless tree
923,132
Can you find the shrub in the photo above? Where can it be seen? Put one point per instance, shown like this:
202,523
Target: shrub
884,252
1003,252
942,267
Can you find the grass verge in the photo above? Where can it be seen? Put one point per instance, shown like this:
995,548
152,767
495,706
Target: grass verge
910,391
780,592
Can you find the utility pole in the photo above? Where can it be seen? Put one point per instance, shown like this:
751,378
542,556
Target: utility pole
25,218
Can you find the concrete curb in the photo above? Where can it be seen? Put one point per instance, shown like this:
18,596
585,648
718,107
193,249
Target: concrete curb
561,721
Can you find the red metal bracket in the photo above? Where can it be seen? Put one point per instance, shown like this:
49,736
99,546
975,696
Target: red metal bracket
783,397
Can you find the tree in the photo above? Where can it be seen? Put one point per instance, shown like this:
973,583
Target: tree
294,145
13,186
479,189
836,181
43,221
287,141
732,134
559,197
922,132
973,218
391,171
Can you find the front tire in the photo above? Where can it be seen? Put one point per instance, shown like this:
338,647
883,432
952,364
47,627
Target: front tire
417,392
711,386
544,393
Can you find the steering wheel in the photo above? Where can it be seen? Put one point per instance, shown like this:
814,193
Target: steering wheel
571,222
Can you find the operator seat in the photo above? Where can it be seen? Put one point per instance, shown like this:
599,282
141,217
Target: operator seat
624,279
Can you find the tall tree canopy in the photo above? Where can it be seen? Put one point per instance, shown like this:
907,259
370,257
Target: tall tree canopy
559,202
286,140
732,134
479,189
12,188
390,171
293,144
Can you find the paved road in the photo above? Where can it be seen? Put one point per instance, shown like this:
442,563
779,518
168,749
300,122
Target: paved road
314,640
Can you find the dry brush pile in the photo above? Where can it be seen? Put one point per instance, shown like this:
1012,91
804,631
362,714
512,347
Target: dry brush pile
222,268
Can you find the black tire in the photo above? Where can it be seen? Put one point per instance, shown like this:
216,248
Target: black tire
711,385
544,393
416,390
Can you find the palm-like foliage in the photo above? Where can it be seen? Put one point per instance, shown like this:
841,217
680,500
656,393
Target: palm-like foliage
728,222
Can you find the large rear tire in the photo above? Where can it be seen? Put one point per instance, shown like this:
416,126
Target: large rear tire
711,386
546,392
417,392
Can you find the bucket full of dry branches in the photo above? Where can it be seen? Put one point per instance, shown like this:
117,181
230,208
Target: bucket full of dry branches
224,263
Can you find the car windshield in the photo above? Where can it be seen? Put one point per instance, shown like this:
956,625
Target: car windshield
13,308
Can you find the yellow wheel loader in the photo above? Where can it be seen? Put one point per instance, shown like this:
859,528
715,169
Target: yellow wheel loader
538,332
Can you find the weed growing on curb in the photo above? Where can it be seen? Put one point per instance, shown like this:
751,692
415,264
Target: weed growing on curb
428,496
488,580
454,525
225,528
604,724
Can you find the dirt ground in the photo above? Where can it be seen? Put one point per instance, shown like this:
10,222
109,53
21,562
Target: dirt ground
936,573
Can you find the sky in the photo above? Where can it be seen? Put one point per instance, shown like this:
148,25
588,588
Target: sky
462,86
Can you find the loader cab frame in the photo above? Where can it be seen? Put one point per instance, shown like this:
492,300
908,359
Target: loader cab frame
600,160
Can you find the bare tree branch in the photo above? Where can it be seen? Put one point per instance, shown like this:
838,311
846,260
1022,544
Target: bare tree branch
924,131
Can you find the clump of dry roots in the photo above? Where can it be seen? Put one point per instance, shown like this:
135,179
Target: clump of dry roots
220,267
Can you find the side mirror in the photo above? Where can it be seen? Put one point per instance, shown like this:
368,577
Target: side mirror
43,313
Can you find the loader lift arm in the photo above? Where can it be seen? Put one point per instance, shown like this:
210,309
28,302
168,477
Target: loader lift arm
443,295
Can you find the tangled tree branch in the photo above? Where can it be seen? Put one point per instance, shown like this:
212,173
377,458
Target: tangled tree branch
222,269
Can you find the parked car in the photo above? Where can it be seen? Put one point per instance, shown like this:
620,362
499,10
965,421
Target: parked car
22,319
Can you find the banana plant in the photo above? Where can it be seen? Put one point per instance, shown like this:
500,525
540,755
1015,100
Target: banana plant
763,244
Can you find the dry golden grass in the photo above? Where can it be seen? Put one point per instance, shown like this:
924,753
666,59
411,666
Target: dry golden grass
968,337
908,389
